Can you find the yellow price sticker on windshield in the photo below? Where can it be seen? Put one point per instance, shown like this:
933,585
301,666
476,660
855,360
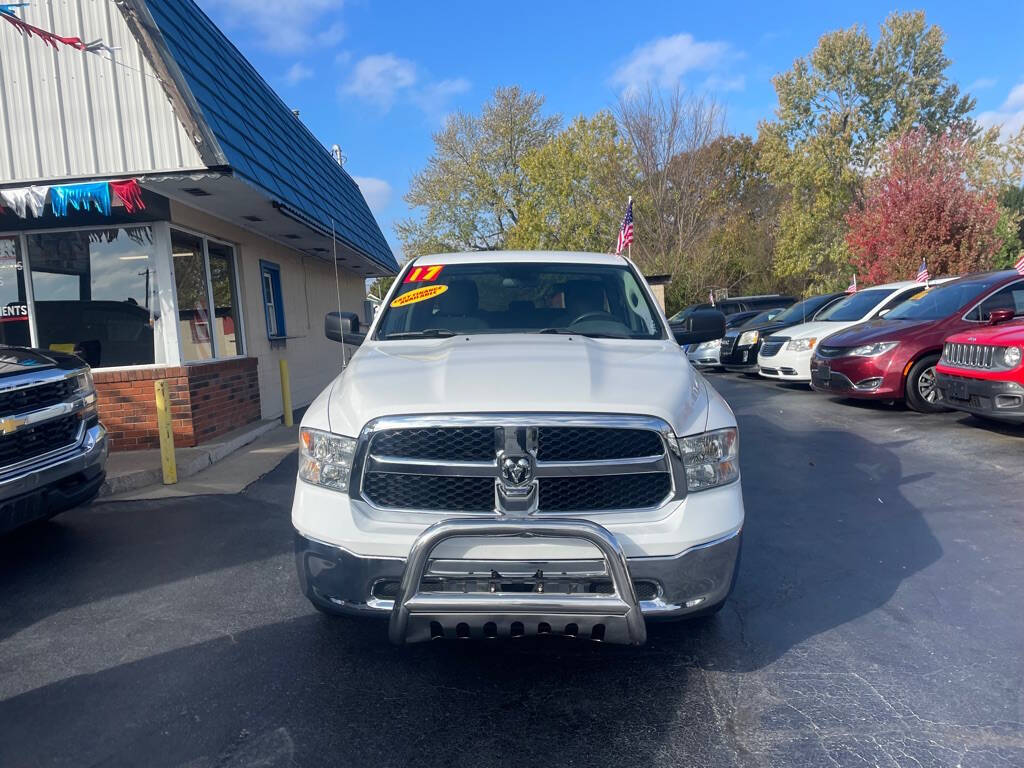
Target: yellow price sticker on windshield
419,294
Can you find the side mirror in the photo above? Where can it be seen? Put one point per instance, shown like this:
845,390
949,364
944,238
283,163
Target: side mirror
1000,316
700,325
343,326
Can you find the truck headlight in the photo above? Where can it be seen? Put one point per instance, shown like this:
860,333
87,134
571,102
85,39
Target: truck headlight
873,350
711,459
325,459
748,337
801,345
84,384
1011,357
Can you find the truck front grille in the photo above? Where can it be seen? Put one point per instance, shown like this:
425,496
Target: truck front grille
727,345
577,494
33,398
970,355
42,438
599,464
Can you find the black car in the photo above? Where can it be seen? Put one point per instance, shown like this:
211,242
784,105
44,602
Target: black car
735,304
741,345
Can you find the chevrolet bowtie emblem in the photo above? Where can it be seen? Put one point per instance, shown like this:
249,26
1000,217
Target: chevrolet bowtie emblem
11,424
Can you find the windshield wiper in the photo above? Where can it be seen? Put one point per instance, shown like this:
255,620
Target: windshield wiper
567,332
426,333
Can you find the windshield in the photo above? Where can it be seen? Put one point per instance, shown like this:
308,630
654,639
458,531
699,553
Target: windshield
936,303
603,301
764,317
802,311
856,306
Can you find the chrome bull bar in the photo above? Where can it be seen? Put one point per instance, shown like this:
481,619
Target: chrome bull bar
613,618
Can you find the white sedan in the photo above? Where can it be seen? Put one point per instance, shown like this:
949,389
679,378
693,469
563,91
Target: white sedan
787,355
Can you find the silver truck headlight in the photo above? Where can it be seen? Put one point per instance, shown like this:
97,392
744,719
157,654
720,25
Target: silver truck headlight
84,384
748,338
325,459
1011,357
711,459
801,345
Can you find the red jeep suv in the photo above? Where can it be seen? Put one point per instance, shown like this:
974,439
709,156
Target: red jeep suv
981,371
894,358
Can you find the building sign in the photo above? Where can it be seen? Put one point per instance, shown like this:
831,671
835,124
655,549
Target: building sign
13,313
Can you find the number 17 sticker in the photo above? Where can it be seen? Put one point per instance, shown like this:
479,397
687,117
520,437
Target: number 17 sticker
424,274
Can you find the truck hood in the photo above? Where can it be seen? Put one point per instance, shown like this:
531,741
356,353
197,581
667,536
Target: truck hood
517,372
15,360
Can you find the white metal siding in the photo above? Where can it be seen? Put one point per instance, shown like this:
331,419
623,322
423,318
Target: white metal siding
69,114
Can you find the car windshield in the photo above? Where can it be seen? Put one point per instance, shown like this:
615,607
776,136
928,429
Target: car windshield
802,311
856,306
597,300
943,301
764,317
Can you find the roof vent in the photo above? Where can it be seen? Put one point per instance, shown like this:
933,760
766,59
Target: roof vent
336,154
295,112
196,191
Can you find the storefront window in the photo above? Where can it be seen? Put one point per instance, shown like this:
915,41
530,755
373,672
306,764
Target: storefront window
14,329
222,277
95,293
193,296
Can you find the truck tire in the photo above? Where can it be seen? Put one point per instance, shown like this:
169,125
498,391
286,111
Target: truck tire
921,387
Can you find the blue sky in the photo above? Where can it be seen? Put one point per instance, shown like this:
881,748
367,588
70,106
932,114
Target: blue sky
378,78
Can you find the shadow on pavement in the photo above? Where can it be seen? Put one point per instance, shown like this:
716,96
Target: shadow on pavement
114,548
829,538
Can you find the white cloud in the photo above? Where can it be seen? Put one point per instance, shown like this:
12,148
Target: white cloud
663,62
297,72
308,22
981,84
1010,115
382,79
376,191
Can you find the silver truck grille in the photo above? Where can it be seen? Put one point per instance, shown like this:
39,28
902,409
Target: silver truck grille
970,355
517,464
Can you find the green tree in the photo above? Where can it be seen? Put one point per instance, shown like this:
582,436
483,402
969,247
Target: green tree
837,109
575,188
469,195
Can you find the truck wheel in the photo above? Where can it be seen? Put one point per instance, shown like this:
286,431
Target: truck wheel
922,391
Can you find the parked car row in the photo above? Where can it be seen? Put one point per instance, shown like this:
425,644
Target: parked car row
952,343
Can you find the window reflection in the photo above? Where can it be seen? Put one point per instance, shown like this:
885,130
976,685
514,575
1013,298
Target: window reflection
222,277
95,293
193,296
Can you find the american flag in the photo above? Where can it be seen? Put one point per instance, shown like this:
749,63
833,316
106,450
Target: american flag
852,287
1019,266
922,273
626,230
711,296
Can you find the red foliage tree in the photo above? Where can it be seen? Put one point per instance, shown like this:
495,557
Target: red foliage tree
921,206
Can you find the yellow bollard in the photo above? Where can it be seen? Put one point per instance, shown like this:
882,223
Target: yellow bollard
166,431
286,394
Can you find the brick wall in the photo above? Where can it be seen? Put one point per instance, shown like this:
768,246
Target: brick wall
207,400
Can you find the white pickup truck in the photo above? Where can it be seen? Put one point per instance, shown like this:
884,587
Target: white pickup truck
519,447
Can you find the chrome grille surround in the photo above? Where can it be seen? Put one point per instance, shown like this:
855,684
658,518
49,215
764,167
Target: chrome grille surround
516,435
772,345
964,355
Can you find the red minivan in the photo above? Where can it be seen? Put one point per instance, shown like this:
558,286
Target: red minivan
894,358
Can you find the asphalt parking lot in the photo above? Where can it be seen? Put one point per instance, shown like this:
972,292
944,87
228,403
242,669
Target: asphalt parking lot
878,620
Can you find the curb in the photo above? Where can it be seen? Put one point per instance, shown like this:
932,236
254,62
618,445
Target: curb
142,478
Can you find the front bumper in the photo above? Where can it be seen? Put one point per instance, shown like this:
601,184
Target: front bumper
786,365
579,594
704,358
984,397
874,378
53,484
741,359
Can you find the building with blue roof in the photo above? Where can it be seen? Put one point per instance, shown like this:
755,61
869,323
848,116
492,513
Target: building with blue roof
166,215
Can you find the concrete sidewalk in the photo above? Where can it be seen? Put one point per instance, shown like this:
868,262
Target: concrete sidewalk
225,466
